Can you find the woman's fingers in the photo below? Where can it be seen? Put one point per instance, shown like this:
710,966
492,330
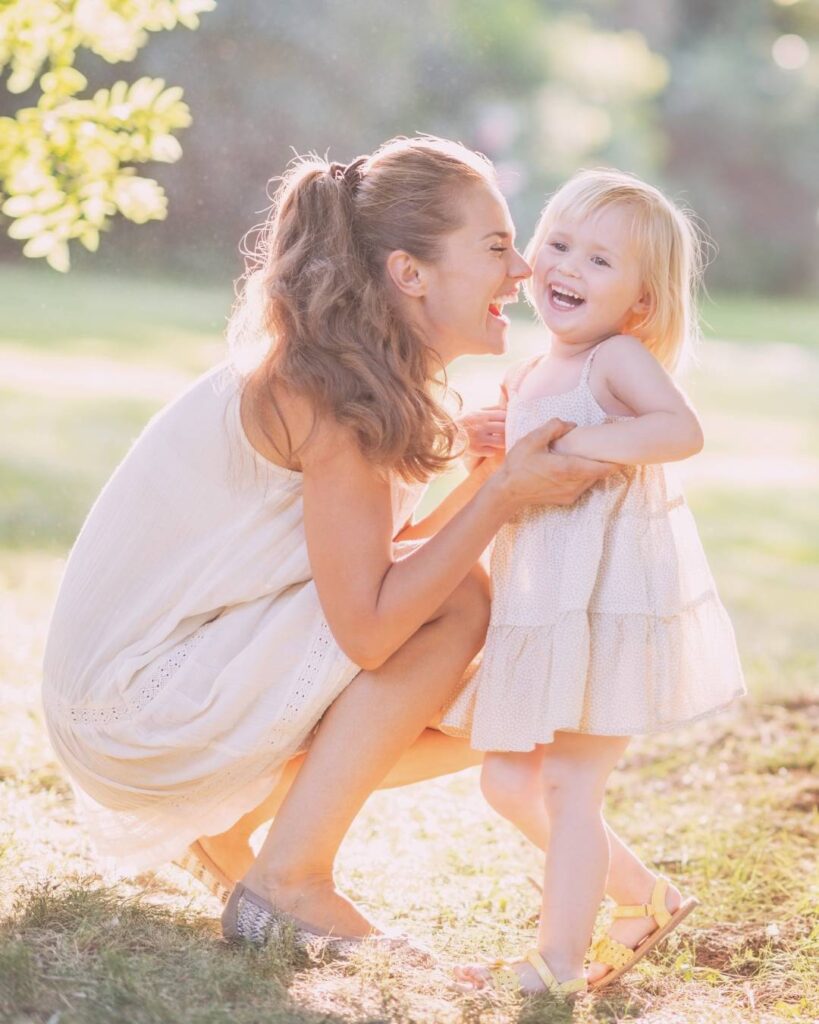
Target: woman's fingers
541,476
550,431
573,476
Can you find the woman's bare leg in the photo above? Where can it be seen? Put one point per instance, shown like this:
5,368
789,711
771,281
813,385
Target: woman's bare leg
431,755
360,738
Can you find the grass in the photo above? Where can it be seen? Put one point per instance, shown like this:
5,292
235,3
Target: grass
729,808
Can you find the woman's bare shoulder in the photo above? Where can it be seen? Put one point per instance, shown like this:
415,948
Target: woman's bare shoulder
285,428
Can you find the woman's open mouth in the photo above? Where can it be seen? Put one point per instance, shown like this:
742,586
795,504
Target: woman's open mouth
496,311
563,299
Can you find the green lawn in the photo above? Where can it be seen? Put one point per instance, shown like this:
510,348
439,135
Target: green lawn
728,808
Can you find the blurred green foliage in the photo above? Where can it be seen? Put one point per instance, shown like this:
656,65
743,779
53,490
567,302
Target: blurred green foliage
703,98
66,164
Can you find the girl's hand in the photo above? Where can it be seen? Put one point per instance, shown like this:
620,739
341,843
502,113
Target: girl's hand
533,474
486,430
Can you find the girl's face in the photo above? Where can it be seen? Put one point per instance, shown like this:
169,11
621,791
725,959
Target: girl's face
461,310
587,283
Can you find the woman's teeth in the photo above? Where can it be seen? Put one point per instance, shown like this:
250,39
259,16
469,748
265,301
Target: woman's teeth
565,299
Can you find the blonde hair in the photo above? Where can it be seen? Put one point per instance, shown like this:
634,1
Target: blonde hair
671,246
324,317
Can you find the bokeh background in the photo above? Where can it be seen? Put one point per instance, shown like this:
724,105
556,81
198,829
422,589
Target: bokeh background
715,101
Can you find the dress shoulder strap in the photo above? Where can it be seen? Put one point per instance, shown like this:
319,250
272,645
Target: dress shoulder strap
584,375
514,378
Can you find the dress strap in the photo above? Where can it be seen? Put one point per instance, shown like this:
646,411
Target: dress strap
514,378
584,376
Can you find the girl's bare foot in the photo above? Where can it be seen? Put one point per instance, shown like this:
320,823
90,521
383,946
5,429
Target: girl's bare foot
632,930
479,976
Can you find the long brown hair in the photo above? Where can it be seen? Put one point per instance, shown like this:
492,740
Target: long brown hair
325,317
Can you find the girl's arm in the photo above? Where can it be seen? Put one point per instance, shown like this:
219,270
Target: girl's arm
664,429
373,604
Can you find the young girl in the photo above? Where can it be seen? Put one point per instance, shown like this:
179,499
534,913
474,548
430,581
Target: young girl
605,620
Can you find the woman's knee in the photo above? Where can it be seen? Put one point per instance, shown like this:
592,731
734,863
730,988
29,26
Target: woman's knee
468,608
510,784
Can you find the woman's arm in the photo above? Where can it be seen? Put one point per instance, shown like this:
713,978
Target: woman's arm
664,429
373,605
453,502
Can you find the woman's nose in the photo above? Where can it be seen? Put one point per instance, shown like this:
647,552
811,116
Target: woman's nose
519,269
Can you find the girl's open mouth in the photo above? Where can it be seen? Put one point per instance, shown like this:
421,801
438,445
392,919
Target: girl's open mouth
564,299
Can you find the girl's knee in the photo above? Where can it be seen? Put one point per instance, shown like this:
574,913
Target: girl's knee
568,784
510,784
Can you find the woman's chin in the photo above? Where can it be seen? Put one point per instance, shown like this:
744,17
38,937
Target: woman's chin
495,340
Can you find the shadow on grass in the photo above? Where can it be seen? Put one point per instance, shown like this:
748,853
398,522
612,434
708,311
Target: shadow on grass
82,953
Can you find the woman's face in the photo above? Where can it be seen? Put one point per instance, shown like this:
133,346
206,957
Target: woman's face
461,309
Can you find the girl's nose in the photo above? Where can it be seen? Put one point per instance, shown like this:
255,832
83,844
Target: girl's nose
566,266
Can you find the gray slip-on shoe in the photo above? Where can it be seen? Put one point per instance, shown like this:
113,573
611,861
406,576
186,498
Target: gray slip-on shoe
249,917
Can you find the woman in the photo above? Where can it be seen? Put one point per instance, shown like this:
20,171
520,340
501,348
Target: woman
238,581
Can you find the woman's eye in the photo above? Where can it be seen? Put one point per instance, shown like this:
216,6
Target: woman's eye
600,261
499,248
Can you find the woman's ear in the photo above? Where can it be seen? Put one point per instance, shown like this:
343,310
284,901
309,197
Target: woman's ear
406,274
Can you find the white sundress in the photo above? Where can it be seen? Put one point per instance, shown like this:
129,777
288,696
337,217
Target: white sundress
605,617
188,657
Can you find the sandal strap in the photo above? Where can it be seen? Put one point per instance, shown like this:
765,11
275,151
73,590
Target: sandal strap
561,988
656,908
609,951
506,979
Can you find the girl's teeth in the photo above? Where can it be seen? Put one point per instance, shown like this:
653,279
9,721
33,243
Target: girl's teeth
563,299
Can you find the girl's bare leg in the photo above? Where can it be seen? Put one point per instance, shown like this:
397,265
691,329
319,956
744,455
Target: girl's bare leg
512,784
573,771
379,715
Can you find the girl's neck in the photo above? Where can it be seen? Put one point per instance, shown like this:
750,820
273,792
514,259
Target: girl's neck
562,351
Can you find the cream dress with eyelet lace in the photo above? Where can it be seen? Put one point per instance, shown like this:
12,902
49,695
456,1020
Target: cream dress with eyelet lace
188,657
605,618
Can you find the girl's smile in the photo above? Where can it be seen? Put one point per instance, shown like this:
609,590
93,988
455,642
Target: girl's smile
587,280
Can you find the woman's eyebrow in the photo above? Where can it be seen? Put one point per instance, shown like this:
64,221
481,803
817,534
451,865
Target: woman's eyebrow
497,234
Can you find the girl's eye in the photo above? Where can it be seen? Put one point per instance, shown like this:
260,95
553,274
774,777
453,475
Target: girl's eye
560,246
600,261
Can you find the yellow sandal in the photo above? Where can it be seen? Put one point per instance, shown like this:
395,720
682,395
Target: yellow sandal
505,979
621,958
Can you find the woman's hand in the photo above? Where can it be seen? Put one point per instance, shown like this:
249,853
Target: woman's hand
533,474
486,430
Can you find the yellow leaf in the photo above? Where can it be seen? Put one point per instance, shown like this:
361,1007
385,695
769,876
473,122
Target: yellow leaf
27,227
18,206
40,246
59,258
